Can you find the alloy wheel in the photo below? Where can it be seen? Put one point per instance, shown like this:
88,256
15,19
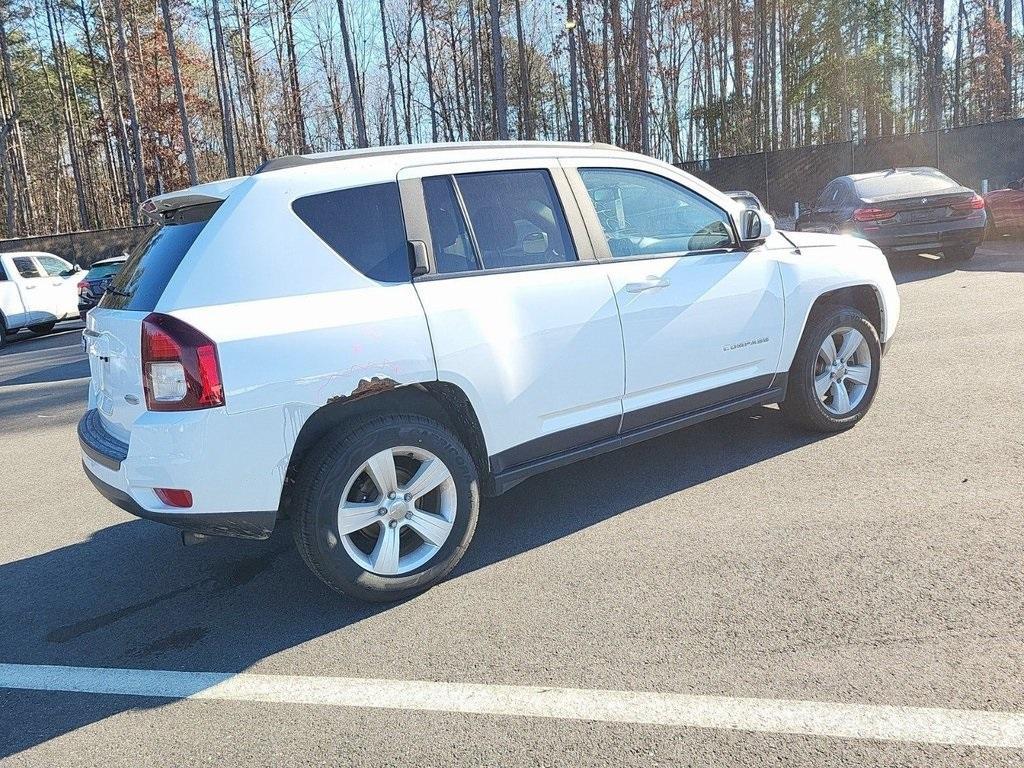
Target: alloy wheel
397,510
842,371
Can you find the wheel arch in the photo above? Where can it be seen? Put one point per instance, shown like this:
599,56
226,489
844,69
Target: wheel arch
864,297
861,296
439,400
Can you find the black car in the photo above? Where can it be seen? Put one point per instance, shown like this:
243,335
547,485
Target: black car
902,211
96,281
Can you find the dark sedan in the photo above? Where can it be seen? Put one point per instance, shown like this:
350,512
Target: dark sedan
96,281
902,211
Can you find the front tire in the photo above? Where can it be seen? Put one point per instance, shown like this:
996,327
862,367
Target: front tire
834,375
385,509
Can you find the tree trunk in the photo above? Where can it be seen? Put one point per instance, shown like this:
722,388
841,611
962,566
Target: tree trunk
642,34
574,87
353,82
391,77
474,34
135,129
938,42
525,116
68,115
293,75
179,95
498,57
430,72
244,14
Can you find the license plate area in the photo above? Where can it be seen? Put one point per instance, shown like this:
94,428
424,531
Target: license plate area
920,217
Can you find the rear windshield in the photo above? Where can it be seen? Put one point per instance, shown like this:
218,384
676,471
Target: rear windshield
903,183
142,279
103,270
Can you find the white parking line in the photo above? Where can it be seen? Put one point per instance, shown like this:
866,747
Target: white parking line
852,721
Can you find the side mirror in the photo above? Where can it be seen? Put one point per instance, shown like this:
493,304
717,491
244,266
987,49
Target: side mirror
75,269
755,227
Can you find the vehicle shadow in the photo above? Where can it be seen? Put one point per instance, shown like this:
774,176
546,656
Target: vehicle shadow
1002,255
131,596
24,341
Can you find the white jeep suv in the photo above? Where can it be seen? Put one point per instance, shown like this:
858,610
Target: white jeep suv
368,341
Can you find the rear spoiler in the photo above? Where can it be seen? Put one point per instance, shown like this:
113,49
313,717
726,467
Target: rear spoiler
157,208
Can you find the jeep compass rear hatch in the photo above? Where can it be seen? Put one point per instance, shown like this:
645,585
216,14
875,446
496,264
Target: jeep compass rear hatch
114,329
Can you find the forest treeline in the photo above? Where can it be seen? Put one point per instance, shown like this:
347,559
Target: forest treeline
104,103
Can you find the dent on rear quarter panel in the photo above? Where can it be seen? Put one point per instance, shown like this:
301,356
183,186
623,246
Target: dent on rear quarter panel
295,326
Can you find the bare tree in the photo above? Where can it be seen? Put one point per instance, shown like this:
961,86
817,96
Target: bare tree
498,62
179,94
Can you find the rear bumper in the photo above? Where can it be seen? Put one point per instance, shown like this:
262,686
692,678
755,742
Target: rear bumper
925,238
126,474
242,525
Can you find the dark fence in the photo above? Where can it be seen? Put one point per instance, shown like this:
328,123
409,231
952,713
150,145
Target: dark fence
82,248
976,155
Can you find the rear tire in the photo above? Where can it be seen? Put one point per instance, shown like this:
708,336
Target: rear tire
960,254
43,328
366,544
834,375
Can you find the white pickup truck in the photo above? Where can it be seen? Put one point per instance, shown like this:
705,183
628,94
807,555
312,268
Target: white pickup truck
36,291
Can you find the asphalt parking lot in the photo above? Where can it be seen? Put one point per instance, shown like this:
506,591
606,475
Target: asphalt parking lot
736,559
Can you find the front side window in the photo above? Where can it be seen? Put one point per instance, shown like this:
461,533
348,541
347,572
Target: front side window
643,214
26,267
54,267
363,225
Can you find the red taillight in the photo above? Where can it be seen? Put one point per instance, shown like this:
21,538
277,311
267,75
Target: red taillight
83,288
180,369
174,497
872,214
976,203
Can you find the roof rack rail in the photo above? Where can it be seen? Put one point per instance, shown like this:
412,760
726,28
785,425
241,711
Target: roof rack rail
298,161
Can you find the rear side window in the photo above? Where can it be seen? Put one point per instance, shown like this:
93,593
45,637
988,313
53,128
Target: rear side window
515,220
26,267
139,285
364,226
453,250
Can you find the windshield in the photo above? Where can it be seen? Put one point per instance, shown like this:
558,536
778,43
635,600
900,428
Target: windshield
100,271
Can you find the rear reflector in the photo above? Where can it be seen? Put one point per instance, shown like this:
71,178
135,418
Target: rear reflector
872,214
976,203
180,369
174,497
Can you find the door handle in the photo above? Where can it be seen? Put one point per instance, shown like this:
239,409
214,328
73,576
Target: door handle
645,285
31,287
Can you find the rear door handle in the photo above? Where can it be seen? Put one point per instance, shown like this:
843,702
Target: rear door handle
652,281
31,287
